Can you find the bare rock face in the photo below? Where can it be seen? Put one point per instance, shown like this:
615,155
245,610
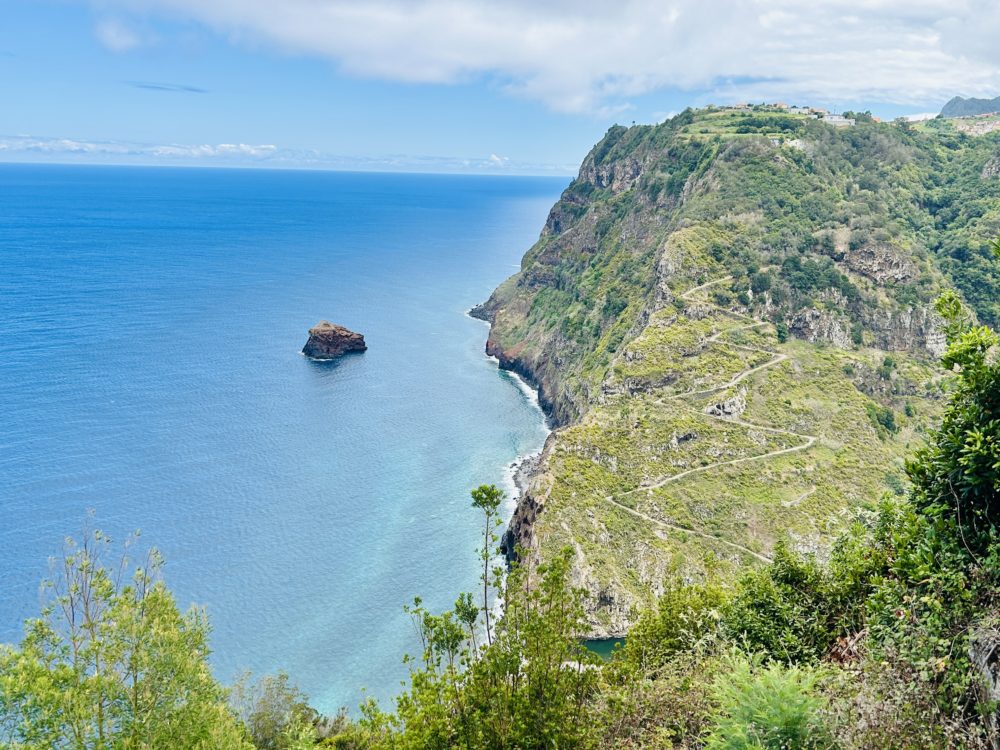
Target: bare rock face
881,262
991,170
912,328
816,325
984,653
619,175
329,341
730,408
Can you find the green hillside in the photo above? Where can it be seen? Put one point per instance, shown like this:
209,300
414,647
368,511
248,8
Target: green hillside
729,315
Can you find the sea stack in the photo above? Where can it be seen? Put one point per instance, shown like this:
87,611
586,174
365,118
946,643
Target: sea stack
328,341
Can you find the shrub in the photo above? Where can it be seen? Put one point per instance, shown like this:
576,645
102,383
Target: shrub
683,616
767,708
113,663
780,610
883,419
760,282
957,477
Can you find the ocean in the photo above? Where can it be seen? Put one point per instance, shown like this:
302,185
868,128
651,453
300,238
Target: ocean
151,322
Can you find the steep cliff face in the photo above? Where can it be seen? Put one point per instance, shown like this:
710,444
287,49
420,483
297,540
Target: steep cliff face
729,319
586,285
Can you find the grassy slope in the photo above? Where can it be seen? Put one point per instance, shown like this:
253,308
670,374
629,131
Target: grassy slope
634,305
744,483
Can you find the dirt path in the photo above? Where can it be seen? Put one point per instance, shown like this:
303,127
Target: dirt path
800,498
694,290
745,459
673,527
810,440
778,357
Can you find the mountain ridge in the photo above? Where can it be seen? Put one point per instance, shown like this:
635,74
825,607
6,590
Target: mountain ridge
961,107
703,292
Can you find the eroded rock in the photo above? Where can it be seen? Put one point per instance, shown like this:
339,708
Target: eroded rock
328,341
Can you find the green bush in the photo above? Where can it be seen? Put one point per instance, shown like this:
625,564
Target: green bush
956,477
113,663
684,616
767,708
780,610
883,419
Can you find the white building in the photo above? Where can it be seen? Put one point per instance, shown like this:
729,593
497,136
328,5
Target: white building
839,121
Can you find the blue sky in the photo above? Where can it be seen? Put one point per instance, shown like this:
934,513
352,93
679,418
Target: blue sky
449,85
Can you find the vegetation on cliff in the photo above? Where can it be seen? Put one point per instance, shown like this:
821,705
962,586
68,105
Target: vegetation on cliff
730,316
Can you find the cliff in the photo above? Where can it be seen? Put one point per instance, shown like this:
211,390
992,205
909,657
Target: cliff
728,317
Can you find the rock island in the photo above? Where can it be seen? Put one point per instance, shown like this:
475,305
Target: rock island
329,341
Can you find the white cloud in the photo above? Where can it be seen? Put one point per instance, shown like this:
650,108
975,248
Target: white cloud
594,55
32,148
116,36
223,149
107,149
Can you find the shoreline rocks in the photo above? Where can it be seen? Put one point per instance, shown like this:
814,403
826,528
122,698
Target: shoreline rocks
329,341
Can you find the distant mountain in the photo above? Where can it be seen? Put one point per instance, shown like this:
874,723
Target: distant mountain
959,107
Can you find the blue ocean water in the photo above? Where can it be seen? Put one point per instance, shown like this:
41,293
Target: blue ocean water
150,328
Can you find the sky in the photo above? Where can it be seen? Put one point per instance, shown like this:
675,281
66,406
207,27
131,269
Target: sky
480,86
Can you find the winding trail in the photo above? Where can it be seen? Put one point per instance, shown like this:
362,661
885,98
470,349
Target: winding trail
696,289
674,527
809,440
800,498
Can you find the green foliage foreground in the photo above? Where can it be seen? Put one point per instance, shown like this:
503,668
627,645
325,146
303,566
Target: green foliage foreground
875,647
112,663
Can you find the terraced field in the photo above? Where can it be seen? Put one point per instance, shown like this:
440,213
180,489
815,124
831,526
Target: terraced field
713,441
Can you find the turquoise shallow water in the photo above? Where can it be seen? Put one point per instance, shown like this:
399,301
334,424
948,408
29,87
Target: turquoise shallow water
150,328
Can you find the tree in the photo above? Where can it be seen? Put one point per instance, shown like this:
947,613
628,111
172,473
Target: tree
531,688
942,574
112,663
276,714
956,478
487,498
760,282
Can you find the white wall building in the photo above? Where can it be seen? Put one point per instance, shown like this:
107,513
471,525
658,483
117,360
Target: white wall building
839,120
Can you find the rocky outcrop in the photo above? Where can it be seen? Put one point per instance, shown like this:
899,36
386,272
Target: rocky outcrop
538,367
910,328
991,170
559,408
879,261
518,535
328,341
618,175
816,325
984,653
730,408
